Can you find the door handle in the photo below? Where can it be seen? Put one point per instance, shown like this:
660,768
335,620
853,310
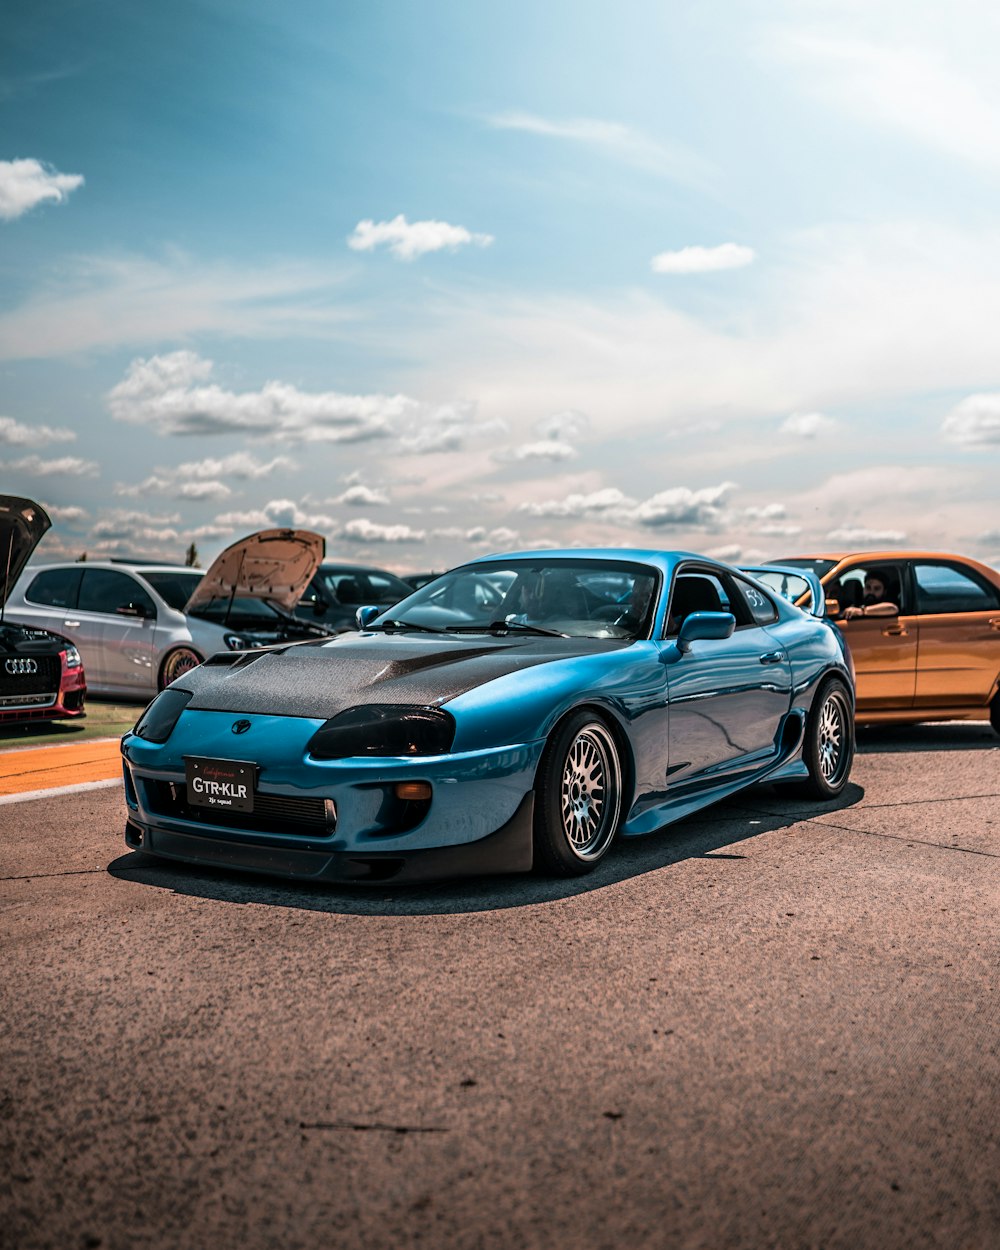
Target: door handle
772,657
894,631
994,623
72,624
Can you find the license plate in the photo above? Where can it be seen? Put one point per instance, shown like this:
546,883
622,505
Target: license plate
221,784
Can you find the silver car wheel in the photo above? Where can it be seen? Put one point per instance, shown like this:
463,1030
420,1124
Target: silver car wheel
832,731
590,792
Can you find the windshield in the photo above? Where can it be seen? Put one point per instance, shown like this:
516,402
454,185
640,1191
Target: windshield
787,585
175,588
575,598
242,611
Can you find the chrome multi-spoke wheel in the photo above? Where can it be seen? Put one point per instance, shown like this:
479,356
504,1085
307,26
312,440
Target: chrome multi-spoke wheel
578,796
591,789
178,662
828,746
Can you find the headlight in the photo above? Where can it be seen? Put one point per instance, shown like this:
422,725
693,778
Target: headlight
235,643
157,722
71,657
384,730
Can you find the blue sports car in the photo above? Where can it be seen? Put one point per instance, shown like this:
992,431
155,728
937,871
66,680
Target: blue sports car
521,711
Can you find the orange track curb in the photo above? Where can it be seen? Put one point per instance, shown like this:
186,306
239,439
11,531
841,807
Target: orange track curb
45,768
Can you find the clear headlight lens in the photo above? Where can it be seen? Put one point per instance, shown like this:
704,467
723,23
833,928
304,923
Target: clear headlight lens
71,657
157,722
390,729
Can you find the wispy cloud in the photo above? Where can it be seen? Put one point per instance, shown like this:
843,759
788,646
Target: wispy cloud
364,531
703,259
860,536
204,479
975,422
16,434
625,143
35,466
407,240
808,425
27,183
677,507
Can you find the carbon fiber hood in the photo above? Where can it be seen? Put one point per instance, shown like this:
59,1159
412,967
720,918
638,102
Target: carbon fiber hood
318,680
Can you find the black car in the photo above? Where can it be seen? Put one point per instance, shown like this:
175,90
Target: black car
41,674
338,590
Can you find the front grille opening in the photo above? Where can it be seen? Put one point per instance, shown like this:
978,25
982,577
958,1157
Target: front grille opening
272,813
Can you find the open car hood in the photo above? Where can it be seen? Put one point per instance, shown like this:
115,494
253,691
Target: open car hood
23,523
276,565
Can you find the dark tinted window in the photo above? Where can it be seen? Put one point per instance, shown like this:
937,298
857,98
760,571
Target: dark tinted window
759,605
819,567
56,588
105,590
174,588
705,590
945,588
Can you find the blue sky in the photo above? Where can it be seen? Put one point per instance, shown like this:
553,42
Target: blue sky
445,278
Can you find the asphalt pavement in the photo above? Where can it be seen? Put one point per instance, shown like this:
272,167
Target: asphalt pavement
774,1024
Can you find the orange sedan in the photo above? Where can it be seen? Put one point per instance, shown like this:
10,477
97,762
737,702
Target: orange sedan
923,628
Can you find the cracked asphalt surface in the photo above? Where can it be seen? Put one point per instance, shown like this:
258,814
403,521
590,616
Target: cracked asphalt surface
774,1024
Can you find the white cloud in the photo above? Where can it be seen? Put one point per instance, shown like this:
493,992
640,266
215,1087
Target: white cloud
408,240
122,525
277,514
363,496
202,479
16,434
570,423
767,512
975,422
597,503
547,449
70,513
860,536
942,94
729,553
623,142
364,531
447,429
703,259
26,183
35,466
808,424
173,394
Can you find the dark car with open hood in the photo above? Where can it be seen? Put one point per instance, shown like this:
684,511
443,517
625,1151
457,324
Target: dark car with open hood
41,676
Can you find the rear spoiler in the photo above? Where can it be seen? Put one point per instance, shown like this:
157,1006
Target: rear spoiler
817,606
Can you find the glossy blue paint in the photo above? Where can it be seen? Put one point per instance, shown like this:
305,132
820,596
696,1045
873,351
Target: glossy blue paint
693,723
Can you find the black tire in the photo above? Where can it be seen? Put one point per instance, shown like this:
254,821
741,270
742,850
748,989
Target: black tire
175,664
578,797
995,712
828,746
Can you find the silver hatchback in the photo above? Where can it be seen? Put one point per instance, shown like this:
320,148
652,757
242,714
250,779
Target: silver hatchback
129,623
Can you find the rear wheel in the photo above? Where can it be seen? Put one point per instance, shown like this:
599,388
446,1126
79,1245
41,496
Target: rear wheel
578,797
828,748
178,662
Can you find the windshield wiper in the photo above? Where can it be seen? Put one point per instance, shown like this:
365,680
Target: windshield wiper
506,627
424,629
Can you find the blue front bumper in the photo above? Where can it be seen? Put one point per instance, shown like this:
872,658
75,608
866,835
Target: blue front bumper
332,820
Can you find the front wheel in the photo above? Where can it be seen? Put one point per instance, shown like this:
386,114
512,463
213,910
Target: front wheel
179,661
578,797
828,748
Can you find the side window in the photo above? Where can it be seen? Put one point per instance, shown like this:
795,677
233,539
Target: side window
381,590
55,588
864,584
699,590
944,588
759,605
105,590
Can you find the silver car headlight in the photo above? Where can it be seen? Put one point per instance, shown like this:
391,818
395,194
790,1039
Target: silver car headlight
235,643
71,657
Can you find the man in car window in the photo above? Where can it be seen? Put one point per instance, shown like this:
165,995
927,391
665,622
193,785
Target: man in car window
880,597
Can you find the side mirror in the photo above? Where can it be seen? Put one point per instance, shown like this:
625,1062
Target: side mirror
832,608
712,626
364,616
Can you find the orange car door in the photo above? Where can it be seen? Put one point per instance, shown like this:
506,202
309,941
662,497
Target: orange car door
884,650
959,654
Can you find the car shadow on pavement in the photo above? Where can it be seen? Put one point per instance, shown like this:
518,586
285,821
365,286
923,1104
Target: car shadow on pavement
939,736
716,833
